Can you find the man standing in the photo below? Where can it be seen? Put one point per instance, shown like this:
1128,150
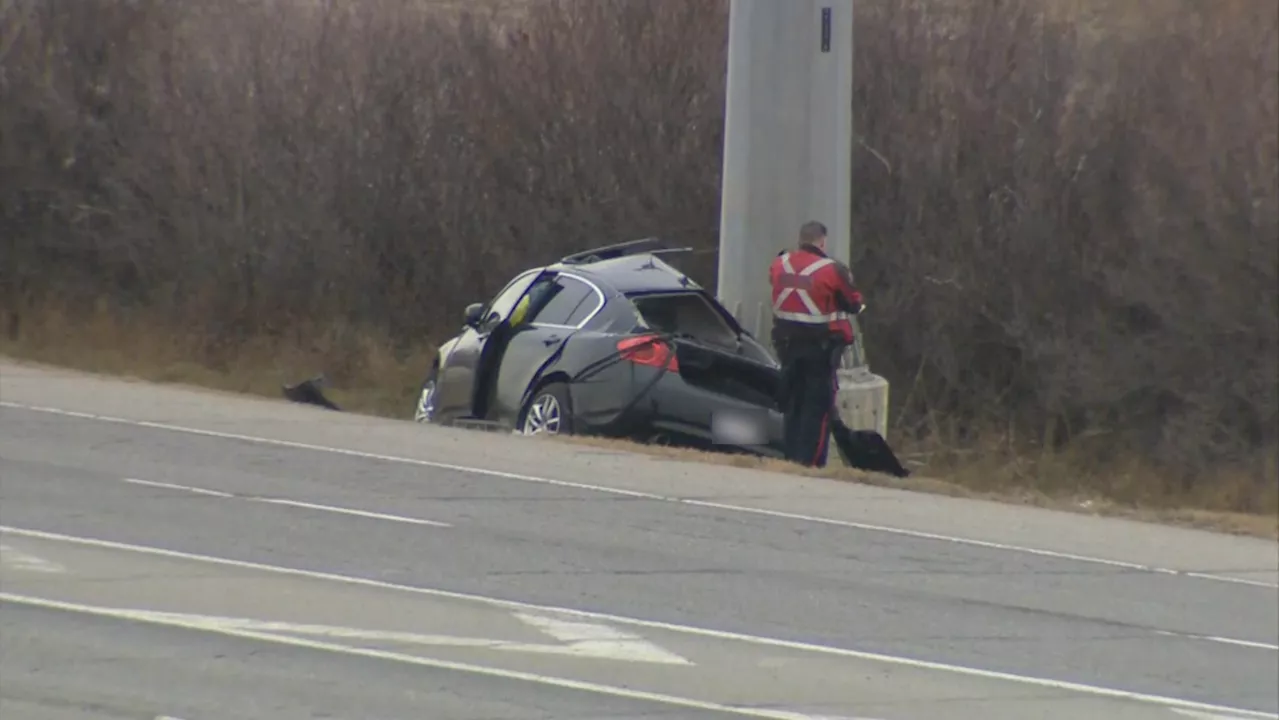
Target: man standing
813,296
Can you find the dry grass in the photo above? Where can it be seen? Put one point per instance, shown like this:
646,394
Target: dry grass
366,376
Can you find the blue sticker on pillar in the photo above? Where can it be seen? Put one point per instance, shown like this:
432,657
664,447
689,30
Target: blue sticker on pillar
826,29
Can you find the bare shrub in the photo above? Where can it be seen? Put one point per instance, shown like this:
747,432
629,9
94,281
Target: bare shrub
1073,229
1067,209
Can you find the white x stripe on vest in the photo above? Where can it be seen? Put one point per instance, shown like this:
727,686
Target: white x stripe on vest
814,316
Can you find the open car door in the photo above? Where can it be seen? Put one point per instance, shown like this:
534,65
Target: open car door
515,321
460,372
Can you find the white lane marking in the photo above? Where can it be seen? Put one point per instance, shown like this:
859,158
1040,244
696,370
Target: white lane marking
837,718
18,560
171,486
651,496
293,503
1219,639
1061,685
1205,715
598,640
621,692
349,511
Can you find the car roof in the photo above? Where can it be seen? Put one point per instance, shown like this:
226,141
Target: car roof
641,272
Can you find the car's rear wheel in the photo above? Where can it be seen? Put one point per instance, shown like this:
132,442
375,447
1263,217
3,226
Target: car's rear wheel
425,410
548,411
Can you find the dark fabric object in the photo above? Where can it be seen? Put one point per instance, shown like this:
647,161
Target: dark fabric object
308,392
866,450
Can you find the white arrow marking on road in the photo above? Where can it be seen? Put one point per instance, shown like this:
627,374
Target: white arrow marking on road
18,560
420,660
591,639
583,640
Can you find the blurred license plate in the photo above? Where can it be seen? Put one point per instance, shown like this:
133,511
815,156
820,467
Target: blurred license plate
739,427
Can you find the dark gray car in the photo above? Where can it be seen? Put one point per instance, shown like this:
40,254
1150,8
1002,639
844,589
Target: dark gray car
613,342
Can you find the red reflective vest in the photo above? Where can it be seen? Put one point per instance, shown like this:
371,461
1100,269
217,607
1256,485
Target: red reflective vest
806,288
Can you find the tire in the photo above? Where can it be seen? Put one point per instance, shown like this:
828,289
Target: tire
424,409
548,411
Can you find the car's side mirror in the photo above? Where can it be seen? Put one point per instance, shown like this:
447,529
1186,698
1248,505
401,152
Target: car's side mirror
471,316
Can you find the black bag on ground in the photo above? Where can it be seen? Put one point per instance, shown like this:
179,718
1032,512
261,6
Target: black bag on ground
308,392
866,450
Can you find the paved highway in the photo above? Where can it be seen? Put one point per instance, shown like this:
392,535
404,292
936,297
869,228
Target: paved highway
173,553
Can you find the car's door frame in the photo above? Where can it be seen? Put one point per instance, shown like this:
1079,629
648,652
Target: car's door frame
456,376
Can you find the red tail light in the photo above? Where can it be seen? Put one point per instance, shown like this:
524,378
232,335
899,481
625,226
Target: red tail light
648,350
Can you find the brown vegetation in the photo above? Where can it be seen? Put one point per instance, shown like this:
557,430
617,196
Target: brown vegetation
1065,211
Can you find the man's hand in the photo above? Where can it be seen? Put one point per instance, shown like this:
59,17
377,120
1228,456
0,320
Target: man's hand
850,297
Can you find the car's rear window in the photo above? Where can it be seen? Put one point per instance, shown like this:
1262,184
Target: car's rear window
684,313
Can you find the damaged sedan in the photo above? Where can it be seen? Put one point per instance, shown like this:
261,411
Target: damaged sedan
613,342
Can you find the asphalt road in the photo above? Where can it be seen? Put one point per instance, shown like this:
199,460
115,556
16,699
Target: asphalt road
235,577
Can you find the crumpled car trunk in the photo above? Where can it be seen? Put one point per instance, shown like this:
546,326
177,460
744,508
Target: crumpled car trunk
709,351
726,374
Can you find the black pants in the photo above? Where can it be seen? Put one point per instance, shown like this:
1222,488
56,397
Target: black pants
808,401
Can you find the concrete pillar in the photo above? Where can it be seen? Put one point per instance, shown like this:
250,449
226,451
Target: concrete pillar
787,159
788,141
